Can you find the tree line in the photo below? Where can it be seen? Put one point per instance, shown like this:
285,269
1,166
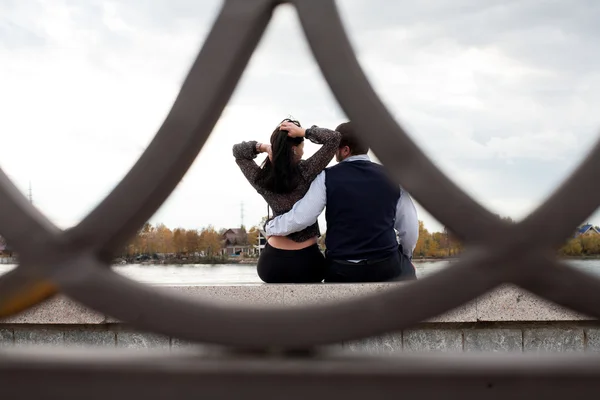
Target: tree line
208,241
154,239
436,244
444,244
583,245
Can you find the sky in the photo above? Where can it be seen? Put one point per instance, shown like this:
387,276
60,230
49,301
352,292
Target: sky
502,95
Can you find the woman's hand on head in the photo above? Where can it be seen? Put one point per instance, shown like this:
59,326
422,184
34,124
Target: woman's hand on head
292,129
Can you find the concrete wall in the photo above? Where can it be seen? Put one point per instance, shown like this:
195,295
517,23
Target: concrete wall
507,319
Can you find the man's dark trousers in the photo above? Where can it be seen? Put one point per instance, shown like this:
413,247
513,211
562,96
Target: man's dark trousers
395,267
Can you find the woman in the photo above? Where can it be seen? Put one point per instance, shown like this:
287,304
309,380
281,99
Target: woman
282,180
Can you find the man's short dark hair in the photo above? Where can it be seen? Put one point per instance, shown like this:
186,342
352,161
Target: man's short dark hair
350,139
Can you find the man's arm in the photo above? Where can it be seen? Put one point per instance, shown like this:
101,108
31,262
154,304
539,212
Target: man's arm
407,223
304,213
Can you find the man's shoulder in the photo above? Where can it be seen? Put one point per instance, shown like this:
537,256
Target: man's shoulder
352,164
361,164
333,167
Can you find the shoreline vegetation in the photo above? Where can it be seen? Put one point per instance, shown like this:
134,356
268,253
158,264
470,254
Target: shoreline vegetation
159,245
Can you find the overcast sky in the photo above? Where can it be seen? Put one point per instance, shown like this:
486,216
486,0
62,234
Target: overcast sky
502,95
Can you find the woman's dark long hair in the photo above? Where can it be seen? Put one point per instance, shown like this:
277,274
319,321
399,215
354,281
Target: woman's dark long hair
281,175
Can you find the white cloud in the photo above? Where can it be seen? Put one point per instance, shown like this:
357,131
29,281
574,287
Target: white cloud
546,146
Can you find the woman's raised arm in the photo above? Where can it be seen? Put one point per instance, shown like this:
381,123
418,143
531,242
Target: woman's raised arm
245,153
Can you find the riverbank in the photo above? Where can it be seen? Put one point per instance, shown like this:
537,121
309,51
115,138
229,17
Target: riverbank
245,272
586,257
225,260
186,261
254,260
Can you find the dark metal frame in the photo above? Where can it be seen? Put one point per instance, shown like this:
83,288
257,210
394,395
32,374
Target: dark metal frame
76,261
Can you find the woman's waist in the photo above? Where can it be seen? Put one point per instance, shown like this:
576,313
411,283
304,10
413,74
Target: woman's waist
285,243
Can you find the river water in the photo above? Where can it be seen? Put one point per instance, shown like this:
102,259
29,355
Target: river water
202,274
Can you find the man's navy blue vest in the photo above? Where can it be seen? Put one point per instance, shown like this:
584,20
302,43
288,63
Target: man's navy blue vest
361,210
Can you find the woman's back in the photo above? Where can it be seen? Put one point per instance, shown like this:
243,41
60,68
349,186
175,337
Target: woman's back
281,203
307,170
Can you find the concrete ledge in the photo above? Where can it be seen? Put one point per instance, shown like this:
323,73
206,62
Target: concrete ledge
507,319
59,310
510,303
504,304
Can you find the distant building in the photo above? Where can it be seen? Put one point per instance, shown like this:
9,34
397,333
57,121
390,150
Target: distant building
235,242
586,230
262,241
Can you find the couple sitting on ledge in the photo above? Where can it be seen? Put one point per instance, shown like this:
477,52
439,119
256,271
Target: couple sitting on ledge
364,209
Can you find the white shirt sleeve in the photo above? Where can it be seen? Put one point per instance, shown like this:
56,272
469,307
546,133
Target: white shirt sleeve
407,223
304,213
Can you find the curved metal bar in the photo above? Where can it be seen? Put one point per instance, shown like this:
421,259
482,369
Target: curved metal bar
68,374
204,94
576,199
21,224
255,327
564,286
21,289
404,160
30,234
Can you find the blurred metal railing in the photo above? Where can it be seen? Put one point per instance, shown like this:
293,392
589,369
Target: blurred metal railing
76,262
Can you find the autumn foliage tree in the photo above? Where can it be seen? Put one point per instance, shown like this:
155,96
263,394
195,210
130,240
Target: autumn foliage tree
252,236
582,245
210,241
160,239
436,244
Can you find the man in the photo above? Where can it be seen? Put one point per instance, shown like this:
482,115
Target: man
363,209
